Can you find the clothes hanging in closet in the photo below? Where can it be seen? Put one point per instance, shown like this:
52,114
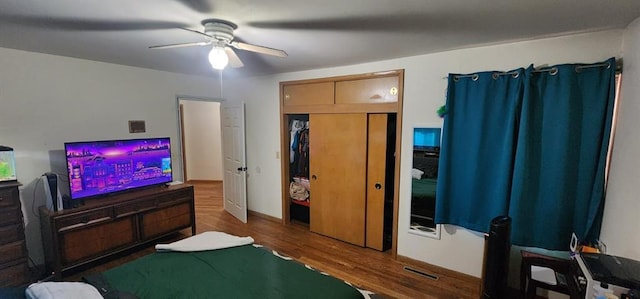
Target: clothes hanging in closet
299,151
299,161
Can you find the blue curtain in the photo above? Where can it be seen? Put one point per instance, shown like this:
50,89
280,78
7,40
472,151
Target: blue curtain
531,146
477,150
558,182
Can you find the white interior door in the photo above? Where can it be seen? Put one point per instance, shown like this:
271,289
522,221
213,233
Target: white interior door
234,159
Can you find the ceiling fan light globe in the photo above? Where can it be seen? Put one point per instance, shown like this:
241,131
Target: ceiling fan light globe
218,58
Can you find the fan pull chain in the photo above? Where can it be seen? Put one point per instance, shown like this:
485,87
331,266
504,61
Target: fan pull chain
220,76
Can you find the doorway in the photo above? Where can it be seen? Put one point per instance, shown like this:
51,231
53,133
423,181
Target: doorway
213,148
201,139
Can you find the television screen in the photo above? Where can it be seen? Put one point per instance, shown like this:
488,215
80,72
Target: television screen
7,164
103,167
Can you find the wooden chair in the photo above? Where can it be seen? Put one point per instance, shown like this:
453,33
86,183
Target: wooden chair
558,269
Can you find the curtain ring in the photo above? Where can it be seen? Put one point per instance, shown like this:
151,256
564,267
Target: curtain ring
456,78
475,77
515,74
608,65
495,76
553,71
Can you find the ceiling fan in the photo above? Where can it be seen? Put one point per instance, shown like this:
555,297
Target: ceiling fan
219,33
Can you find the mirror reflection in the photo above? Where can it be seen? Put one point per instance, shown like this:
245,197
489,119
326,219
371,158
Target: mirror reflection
424,175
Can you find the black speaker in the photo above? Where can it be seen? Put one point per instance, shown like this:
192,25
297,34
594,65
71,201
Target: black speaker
53,199
496,267
52,188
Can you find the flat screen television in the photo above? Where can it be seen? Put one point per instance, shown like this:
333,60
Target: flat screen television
98,168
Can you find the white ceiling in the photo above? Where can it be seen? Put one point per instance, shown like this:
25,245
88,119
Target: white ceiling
315,34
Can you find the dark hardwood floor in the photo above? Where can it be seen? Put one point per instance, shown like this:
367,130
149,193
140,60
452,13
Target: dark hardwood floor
376,271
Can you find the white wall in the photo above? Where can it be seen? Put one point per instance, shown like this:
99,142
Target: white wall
48,100
621,222
424,91
262,134
202,138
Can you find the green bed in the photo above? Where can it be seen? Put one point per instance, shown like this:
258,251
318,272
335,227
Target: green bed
246,271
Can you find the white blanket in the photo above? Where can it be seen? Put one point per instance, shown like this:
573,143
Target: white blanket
62,290
205,241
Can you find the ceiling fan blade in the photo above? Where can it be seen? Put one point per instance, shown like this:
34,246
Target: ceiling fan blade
413,22
234,60
196,31
202,6
82,24
259,49
180,45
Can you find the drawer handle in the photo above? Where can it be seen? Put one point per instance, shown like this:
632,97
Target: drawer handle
103,219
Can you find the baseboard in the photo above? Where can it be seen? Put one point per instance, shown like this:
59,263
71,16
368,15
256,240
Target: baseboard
264,216
439,270
204,181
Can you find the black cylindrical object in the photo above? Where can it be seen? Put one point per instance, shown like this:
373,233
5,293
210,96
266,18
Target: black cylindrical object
496,267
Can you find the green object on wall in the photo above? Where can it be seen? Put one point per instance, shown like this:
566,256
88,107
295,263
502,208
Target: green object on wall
442,111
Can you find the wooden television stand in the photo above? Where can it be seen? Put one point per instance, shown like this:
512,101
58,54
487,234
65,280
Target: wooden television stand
105,226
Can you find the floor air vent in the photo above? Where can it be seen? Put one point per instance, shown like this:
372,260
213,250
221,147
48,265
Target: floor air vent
421,273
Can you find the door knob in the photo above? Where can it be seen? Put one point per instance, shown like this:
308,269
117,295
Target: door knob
314,177
378,186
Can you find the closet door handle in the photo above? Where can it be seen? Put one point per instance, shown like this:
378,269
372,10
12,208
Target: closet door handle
314,177
378,186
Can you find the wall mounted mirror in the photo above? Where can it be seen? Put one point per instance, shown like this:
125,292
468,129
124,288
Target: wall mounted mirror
424,176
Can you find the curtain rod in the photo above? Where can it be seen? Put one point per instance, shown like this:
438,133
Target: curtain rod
495,75
554,70
579,67
551,70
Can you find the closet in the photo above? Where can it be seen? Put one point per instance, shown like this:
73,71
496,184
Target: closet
340,172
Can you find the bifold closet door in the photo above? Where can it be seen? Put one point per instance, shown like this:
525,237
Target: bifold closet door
337,166
376,180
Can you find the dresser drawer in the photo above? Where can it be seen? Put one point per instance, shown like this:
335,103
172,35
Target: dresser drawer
10,216
84,218
132,208
12,251
9,197
96,240
165,220
11,233
14,275
183,195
